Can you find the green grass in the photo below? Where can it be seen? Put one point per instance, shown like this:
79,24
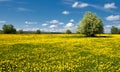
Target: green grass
59,53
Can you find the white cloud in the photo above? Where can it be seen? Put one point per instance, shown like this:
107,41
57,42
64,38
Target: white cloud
23,9
108,26
65,12
110,5
107,29
116,25
101,8
44,24
31,29
2,22
113,17
44,30
51,30
69,25
61,23
29,22
80,5
75,5
115,22
72,20
53,26
60,30
54,21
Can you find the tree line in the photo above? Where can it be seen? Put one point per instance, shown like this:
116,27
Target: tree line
9,29
90,25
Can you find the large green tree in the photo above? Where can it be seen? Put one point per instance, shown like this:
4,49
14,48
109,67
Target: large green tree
114,30
90,25
38,32
68,31
8,29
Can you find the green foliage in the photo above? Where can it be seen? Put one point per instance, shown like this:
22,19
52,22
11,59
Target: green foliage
114,30
119,31
1,31
68,31
20,32
90,25
38,32
8,29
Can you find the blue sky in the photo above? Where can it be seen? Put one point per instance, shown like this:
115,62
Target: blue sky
57,15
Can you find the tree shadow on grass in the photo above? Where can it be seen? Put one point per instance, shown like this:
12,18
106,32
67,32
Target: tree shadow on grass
88,37
103,36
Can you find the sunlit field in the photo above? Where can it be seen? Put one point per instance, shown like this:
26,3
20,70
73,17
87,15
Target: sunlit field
59,53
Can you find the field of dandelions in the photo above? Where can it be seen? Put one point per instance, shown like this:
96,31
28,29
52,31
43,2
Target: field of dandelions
59,53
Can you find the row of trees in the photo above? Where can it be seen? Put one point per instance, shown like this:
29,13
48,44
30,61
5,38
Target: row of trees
9,29
90,25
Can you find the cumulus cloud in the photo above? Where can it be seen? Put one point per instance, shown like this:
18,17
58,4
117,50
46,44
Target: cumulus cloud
44,30
72,20
110,5
53,26
2,22
54,21
69,25
61,23
44,24
108,26
29,22
65,12
52,30
31,29
113,17
80,5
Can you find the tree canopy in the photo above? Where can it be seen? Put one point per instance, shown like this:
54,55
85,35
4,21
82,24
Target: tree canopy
68,31
8,29
90,25
38,31
114,30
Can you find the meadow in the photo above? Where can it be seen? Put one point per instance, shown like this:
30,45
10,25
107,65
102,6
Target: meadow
59,53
